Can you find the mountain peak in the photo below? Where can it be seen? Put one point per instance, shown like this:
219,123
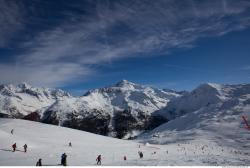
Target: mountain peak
206,86
24,85
124,83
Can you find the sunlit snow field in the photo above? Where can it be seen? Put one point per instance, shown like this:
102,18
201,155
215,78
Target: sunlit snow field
49,142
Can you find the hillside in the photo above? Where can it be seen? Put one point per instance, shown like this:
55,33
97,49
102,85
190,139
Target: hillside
17,101
208,97
122,110
211,113
49,142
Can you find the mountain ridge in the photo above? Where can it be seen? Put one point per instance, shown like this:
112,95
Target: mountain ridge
122,110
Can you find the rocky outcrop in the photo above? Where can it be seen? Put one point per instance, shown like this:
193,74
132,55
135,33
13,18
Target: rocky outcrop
34,116
50,118
125,122
98,124
3,115
119,125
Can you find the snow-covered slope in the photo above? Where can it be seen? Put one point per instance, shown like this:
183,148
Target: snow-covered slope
120,109
18,101
124,95
212,114
206,96
49,142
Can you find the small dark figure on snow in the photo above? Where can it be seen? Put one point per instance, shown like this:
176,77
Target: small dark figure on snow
25,148
124,158
12,131
70,144
14,147
64,159
140,154
99,160
39,162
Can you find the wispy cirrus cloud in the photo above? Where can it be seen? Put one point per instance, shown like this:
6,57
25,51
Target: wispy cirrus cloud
43,75
11,20
120,29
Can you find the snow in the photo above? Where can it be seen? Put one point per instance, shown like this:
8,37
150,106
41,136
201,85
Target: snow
218,126
49,142
204,96
122,96
23,99
205,126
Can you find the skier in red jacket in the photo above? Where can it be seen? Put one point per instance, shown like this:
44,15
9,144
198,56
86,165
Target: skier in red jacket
14,147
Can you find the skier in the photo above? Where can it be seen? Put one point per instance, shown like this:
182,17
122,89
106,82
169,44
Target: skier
124,158
39,162
14,147
64,159
99,159
140,154
70,145
12,131
25,148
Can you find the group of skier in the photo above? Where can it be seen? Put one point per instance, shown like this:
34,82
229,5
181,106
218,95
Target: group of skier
14,146
64,156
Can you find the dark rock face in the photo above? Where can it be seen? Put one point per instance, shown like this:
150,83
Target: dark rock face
34,116
93,123
3,115
98,122
155,121
50,118
126,122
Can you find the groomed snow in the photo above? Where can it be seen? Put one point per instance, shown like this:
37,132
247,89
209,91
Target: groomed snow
49,142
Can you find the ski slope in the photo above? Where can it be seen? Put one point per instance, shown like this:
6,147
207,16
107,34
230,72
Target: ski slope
49,142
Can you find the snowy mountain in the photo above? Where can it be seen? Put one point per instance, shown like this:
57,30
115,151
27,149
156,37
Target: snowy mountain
211,113
120,110
207,96
124,110
204,127
23,99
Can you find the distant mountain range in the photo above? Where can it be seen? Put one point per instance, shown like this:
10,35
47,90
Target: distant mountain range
123,110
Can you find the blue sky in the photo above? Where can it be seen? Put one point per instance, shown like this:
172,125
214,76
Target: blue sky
81,45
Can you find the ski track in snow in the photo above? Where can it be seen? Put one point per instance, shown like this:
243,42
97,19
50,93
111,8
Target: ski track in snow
49,142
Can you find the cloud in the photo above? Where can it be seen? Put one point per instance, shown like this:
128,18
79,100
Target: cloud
120,29
11,20
43,75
